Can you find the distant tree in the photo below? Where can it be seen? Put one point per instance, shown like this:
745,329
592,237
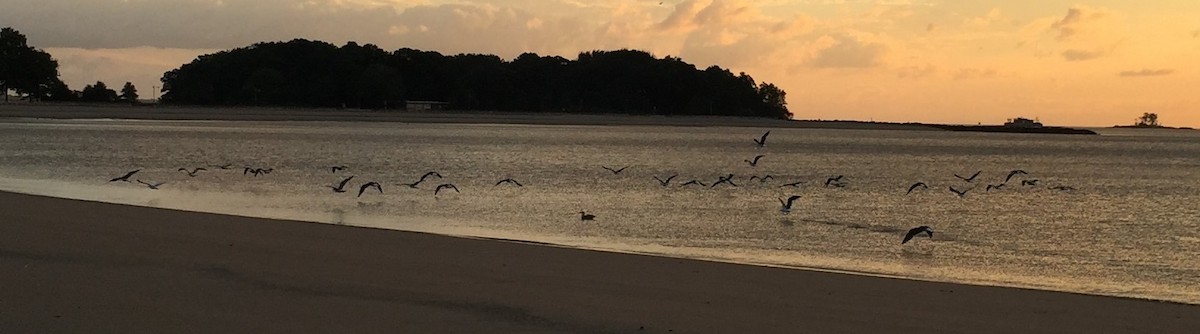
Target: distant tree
98,92
24,69
129,93
1148,119
775,100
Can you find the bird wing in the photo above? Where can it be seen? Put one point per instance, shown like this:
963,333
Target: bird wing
911,234
976,174
609,169
343,183
792,199
140,181
621,170
363,188
763,139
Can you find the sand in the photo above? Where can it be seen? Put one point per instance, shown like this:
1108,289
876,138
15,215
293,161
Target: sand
77,266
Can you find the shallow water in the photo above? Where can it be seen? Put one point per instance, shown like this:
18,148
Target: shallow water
1130,227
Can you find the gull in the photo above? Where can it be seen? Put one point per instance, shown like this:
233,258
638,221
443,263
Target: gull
257,171
341,187
509,180
914,187
786,207
1029,182
151,185
615,171
917,231
193,172
959,193
428,174
762,141
126,176
994,186
1013,173
832,180
444,186
969,179
371,184
726,179
693,182
335,169
754,162
666,181
584,216
762,179
793,184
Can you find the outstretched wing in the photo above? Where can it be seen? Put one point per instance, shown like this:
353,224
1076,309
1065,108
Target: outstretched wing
620,170
763,140
343,183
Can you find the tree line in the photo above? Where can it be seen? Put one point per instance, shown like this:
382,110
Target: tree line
33,75
319,74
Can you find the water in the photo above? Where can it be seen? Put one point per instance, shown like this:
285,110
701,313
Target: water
1130,228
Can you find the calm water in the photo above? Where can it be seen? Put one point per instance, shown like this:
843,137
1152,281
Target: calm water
1131,227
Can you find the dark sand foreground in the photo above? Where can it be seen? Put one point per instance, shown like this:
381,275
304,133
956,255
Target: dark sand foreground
75,266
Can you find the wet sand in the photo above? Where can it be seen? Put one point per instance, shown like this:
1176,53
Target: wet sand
77,266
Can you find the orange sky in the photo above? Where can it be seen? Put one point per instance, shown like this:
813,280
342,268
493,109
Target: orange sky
1093,63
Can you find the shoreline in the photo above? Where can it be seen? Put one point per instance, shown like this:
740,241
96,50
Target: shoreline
167,270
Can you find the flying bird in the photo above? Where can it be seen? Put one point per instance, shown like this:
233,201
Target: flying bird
428,174
754,162
1013,173
444,186
1029,182
584,216
786,206
917,231
836,181
371,184
994,186
761,179
693,182
666,181
969,179
725,179
959,193
193,172
125,177
341,187
762,141
914,187
151,185
615,171
510,181
335,169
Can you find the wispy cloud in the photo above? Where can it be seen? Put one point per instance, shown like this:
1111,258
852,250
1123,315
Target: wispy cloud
1146,73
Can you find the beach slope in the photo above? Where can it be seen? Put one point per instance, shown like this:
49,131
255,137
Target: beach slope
76,266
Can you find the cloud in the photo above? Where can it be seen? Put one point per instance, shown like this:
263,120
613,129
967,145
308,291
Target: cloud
1078,18
916,71
974,73
1146,73
848,52
1082,55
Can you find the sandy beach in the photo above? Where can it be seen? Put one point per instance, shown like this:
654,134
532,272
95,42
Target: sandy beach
76,266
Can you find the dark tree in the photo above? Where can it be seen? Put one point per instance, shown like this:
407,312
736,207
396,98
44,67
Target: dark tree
1148,119
129,93
98,92
28,71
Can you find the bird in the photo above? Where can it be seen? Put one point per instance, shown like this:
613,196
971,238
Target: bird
666,181
1063,188
444,186
914,187
256,171
428,174
959,193
994,186
151,185
754,162
1013,173
126,176
411,185
917,231
371,184
584,216
693,182
341,187
793,184
762,141
761,179
835,181
615,171
724,179
509,180
225,166
969,179
335,169
786,206
1029,182
193,172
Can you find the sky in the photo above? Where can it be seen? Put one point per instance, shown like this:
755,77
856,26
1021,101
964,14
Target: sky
1071,63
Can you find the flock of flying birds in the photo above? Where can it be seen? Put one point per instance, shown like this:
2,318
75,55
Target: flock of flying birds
786,204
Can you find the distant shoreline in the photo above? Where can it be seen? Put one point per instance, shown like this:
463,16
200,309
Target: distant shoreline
203,113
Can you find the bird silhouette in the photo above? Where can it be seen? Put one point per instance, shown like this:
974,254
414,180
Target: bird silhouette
428,174
994,186
341,187
786,206
1029,182
371,184
335,169
969,179
126,176
761,179
584,216
444,186
754,162
693,182
959,193
728,179
510,181
1014,173
151,185
615,171
914,187
835,181
916,231
193,172
666,181
762,141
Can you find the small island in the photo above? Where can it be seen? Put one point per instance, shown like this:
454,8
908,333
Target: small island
1149,121
1015,125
